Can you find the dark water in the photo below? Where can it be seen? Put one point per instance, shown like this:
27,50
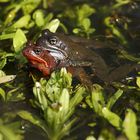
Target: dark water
130,16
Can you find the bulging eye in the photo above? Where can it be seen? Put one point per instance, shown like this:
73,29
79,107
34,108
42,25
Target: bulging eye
53,41
37,51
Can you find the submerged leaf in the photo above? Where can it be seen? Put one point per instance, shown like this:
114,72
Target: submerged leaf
138,81
2,94
78,96
2,73
40,96
7,78
97,99
4,0
90,138
29,6
18,40
39,18
31,118
10,131
22,22
64,101
114,98
112,118
53,25
3,63
130,126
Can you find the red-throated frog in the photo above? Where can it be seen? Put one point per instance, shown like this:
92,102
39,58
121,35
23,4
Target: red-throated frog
52,51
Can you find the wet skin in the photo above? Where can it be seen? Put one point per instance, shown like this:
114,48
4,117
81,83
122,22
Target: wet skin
52,51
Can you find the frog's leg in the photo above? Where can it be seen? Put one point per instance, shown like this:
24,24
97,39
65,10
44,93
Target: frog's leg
120,72
81,75
100,68
116,74
103,72
98,65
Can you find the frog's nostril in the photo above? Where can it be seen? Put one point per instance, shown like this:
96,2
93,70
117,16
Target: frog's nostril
45,32
29,44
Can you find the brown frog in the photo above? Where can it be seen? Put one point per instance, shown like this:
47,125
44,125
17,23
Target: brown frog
52,51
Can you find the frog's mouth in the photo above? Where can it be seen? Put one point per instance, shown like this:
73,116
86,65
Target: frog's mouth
40,66
32,57
36,61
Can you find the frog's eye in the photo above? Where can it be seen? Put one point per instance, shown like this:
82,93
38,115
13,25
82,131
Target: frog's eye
37,51
53,41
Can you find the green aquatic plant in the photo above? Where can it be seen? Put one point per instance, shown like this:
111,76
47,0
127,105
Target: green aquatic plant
10,129
128,126
57,101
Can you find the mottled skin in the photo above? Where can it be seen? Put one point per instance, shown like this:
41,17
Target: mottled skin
53,51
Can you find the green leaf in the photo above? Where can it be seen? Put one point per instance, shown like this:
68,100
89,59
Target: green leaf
126,55
106,134
2,73
84,11
48,18
7,78
76,30
97,99
29,6
2,94
8,133
40,96
64,101
138,81
53,25
66,128
14,95
90,138
18,40
114,98
112,118
77,98
67,77
3,60
120,3
22,22
30,117
3,63
12,14
86,23
4,0
129,125
115,30
7,36
39,18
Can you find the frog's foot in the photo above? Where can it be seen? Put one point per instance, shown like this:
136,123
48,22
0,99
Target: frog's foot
120,72
116,74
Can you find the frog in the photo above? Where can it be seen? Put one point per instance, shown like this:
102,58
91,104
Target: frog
52,51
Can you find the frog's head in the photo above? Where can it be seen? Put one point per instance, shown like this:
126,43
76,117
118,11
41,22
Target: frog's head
47,53
53,44
39,58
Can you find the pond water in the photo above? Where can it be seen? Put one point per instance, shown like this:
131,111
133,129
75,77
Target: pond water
32,110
